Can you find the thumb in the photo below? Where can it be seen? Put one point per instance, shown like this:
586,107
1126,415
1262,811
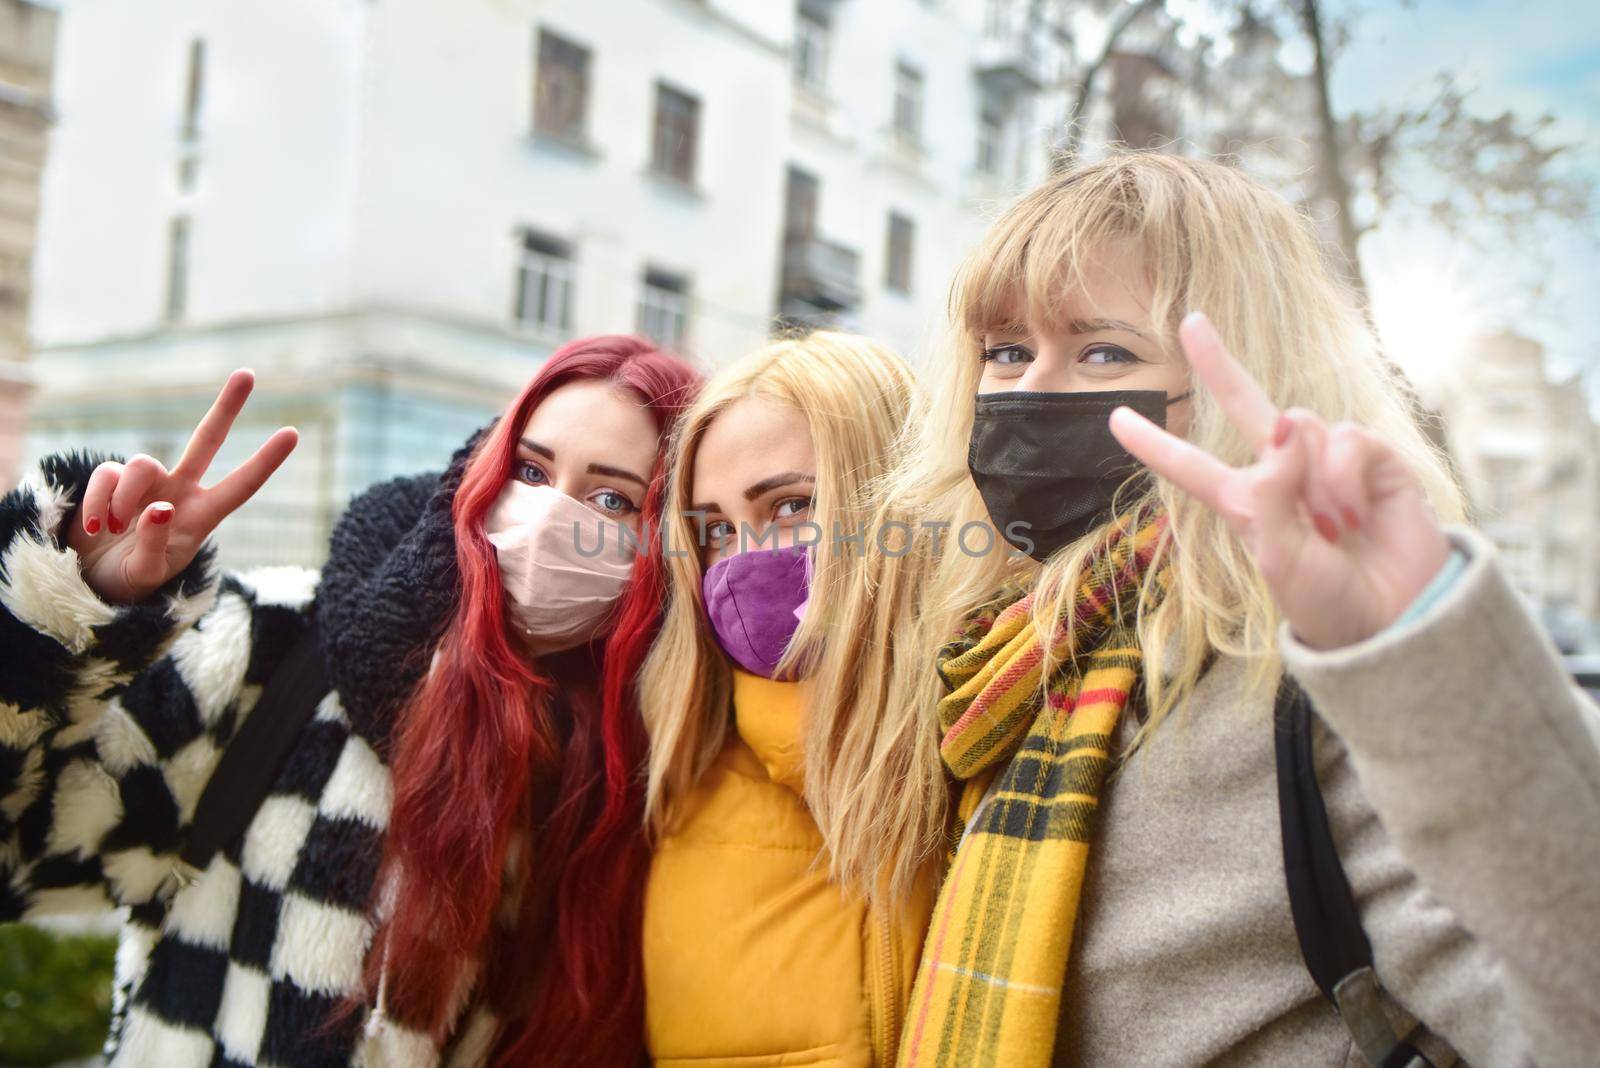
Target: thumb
146,568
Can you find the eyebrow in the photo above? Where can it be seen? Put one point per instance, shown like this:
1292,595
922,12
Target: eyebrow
767,485
617,472
1090,326
594,469
1076,326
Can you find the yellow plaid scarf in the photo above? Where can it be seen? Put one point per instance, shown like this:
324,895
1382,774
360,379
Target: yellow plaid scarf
988,991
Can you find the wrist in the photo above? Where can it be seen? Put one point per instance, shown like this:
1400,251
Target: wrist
1442,583
1434,557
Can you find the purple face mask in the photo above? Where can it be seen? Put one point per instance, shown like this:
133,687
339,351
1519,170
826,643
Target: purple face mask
754,601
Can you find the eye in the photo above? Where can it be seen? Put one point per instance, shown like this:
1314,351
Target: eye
790,507
1006,355
531,473
718,531
613,503
1108,354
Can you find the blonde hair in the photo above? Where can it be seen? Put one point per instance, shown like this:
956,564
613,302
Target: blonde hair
873,781
1211,239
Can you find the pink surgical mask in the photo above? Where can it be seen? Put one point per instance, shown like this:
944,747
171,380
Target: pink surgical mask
562,563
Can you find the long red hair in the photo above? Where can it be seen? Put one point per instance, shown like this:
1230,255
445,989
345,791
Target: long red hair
488,729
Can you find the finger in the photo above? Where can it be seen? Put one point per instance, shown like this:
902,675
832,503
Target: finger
97,497
243,482
139,475
146,567
1312,434
1277,494
1243,401
1191,469
212,431
1350,454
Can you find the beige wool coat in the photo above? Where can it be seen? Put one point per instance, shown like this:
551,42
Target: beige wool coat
1461,772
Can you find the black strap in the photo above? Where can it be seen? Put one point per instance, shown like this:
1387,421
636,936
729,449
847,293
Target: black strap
1326,921
257,753
1325,917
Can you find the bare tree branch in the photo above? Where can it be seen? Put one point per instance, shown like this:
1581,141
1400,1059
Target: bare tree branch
1332,165
1072,137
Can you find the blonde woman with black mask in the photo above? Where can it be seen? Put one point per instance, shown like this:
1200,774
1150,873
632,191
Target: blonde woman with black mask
1209,479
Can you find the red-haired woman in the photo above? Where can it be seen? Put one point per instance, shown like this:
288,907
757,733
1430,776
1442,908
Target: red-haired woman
415,888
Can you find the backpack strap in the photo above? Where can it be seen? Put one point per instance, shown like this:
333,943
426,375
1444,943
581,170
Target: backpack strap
1326,921
251,763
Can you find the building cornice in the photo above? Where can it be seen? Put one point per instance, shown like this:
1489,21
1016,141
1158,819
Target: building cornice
245,324
705,10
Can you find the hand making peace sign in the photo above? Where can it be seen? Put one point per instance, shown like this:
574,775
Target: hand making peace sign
139,524
1333,518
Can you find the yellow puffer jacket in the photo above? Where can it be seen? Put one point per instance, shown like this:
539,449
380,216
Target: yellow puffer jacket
752,957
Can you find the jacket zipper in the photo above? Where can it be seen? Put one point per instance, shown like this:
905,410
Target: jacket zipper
886,996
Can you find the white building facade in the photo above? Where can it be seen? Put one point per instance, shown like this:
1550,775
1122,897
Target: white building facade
1529,457
27,50
395,209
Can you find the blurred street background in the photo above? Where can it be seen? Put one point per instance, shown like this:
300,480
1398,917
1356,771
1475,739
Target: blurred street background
394,209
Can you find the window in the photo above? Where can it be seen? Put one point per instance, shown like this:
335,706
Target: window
677,130
188,171
1503,481
800,204
811,50
544,285
178,269
897,272
1505,404
999,17
664,307
991,140
164,449
561,88
908,102
194,94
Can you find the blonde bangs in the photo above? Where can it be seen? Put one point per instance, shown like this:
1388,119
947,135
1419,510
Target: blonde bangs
1037,256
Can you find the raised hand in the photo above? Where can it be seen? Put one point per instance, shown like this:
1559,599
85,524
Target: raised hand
1337,524
140,524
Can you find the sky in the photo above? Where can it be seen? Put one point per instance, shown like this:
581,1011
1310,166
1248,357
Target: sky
1430,293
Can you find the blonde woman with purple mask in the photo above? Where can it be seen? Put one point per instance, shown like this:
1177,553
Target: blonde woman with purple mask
795,811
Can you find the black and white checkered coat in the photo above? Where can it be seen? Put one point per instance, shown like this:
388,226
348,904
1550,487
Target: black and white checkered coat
111,720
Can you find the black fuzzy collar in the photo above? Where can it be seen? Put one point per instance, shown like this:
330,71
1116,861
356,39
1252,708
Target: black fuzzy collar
387,592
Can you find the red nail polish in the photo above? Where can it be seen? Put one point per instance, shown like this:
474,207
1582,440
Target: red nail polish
92,525
1280,433
1352,520
161,516
117,525
1325,527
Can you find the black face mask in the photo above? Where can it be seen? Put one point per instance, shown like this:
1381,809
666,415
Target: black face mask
1047,465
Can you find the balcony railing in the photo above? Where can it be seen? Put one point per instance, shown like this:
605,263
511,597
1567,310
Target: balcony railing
820,273
1010,62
